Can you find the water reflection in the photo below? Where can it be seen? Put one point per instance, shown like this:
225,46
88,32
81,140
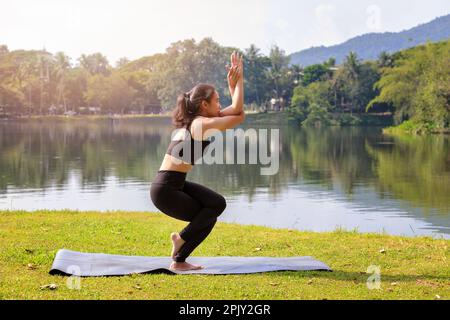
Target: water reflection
328,178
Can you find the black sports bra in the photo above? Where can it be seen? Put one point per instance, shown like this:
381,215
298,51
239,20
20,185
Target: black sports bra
184,145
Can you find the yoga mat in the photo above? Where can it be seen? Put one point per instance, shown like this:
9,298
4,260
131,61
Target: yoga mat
69,262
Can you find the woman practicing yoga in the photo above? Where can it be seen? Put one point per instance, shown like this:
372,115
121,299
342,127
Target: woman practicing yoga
197,111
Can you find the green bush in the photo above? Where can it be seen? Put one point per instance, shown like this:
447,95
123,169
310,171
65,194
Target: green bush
317,115
412,126
346,119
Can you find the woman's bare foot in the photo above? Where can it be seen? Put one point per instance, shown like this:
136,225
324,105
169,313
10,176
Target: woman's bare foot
177,243
184,266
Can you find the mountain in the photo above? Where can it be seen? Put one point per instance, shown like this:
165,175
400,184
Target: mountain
369,46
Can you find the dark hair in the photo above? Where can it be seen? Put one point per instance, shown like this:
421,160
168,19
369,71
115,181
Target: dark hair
188,104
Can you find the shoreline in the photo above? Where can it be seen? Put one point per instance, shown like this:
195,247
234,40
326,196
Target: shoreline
97,117
272,117
87,117
34,237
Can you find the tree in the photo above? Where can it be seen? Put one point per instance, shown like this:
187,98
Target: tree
61,70
363,89
187,63
278,69
111,94
317,93
3,49
351,66
256,80
314,73
121,62
97,91
317,116
119,94
418,86
331,62
350,72
385,60
95,63
76,87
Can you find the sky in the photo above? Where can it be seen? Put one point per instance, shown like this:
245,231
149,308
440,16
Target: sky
136,28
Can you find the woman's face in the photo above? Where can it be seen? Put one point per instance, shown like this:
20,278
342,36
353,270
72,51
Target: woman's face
211,109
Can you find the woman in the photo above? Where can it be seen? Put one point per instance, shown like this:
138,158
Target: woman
197,111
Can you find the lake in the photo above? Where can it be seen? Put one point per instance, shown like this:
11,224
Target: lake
351,178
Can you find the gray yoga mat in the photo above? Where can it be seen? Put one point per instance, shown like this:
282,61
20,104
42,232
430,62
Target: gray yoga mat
69,262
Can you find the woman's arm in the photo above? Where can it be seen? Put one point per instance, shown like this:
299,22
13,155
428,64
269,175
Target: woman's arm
232,76
232,72
222,123
237,106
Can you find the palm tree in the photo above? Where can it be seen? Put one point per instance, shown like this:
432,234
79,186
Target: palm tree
351,66
279,63
297,73
45,60
253,70
385,60
351,69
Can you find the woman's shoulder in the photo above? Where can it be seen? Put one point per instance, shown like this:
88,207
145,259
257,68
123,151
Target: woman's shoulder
197,127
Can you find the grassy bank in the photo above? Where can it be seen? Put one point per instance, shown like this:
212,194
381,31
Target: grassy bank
413,127
411,268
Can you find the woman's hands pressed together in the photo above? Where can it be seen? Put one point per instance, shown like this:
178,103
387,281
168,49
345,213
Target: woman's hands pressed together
235,71
235,78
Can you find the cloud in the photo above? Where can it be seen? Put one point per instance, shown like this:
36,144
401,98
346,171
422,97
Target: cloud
281,24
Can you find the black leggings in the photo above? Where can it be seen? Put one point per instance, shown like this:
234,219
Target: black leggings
187,201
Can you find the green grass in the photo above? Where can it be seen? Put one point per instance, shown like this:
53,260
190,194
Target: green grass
411,268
